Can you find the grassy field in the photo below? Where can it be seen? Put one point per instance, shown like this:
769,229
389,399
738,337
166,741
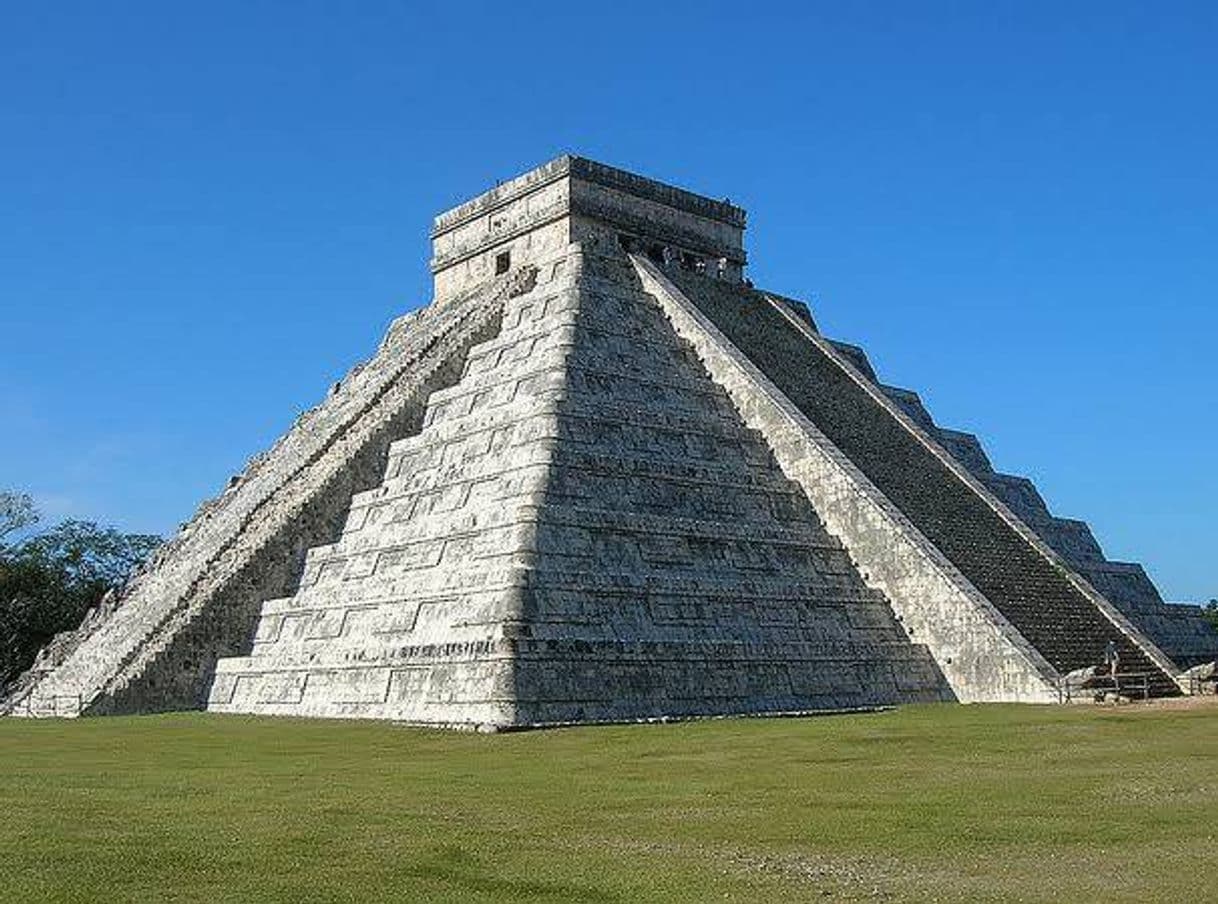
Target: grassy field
927,803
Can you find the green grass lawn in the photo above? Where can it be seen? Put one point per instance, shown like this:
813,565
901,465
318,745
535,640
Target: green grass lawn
942,803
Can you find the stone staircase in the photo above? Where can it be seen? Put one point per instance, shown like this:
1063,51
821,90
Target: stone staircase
1031,587
198,598
1181,632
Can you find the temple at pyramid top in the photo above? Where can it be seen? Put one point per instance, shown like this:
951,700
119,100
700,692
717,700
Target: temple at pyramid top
573,199
602,477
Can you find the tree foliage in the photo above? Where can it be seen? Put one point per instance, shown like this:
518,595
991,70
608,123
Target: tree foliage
49,580
88,555
17,512
1211,613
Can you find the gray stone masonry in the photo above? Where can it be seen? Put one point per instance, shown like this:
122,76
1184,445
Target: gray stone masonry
571,199
198,598
1180,631
1050,604
984,658
600,478
583,531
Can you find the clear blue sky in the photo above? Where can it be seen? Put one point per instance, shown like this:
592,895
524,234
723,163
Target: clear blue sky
209,211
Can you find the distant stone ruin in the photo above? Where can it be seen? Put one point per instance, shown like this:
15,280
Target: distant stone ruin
599,478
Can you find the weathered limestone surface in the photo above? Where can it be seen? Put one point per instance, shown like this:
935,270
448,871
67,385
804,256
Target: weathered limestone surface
156,647
570,200
1181,632
1052,606
583,531
982,656
670,533
599,478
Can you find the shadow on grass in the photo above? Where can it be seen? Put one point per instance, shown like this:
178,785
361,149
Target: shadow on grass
459,868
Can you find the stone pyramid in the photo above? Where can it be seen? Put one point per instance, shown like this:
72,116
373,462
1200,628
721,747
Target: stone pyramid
600,477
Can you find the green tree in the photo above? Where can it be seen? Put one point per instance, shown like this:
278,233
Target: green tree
17,512
1211,613
49,580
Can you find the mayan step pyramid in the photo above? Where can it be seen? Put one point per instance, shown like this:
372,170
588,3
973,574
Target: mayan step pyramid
601,477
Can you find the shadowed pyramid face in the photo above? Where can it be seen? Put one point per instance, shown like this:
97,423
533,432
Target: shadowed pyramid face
601,477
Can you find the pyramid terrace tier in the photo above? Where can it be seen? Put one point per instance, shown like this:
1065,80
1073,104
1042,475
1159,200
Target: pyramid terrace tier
521,682
1180,631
